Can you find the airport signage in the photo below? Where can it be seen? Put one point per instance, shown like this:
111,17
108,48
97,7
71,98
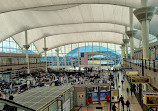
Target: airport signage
131,73
127,68
152,100
140,79
114,92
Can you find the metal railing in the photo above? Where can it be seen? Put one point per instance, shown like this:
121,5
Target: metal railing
13,64
147,64
19,107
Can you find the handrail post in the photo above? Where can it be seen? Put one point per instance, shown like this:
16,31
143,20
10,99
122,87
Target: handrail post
154,65
142,68
149,65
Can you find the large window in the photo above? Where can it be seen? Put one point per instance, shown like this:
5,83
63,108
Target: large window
98,53
10,46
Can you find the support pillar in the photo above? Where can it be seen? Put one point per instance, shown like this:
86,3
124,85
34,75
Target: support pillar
57,51
78,56
26,46
92,55
65,62
131,35
71,57
126,41
122,52
45,52
46,65
144,15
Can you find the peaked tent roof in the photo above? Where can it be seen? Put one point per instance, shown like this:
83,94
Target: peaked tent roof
69,21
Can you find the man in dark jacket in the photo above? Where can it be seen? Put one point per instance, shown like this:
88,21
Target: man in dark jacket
128,105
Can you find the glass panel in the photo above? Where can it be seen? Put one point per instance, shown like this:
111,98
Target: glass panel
53,107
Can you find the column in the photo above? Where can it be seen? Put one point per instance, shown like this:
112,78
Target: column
65,57
144,15
57,51
26,46
126,41
92,54
78,56
107,56
122,52
65,62
52,58
71,57
45,52
100,53
131,33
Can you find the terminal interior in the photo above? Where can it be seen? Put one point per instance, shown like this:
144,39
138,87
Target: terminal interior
78,55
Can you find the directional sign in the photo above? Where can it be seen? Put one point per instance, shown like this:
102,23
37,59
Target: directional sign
140,79
152,100
131,73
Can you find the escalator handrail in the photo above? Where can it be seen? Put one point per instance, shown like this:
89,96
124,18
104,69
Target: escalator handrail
11,103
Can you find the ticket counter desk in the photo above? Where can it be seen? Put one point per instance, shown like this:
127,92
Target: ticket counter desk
56,98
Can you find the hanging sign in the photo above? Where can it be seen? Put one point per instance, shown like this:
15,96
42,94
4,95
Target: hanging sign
140,79
131,73
152,100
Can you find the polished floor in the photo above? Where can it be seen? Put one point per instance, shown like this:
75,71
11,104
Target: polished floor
134,105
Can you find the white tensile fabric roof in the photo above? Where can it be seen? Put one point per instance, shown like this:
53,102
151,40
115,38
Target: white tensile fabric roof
69,21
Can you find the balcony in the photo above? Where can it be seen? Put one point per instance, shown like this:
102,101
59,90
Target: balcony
13,66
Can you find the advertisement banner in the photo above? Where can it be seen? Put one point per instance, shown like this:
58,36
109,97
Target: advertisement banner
94,95
103,95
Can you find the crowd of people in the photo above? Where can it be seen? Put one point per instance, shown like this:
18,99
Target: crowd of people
14,86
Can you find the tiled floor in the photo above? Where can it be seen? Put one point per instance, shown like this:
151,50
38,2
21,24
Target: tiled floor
122,91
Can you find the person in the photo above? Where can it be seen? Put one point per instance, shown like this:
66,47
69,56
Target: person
123,104
107,97
131,89
11,89
121,98
134,88
8,107
11,98
90,99
112,83
28,84
127,92
122,82
114,107
156,58
128,105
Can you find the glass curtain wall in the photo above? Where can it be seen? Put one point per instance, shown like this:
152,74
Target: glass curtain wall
99,53
10,46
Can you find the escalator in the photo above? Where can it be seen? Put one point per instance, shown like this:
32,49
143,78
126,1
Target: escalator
6,105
